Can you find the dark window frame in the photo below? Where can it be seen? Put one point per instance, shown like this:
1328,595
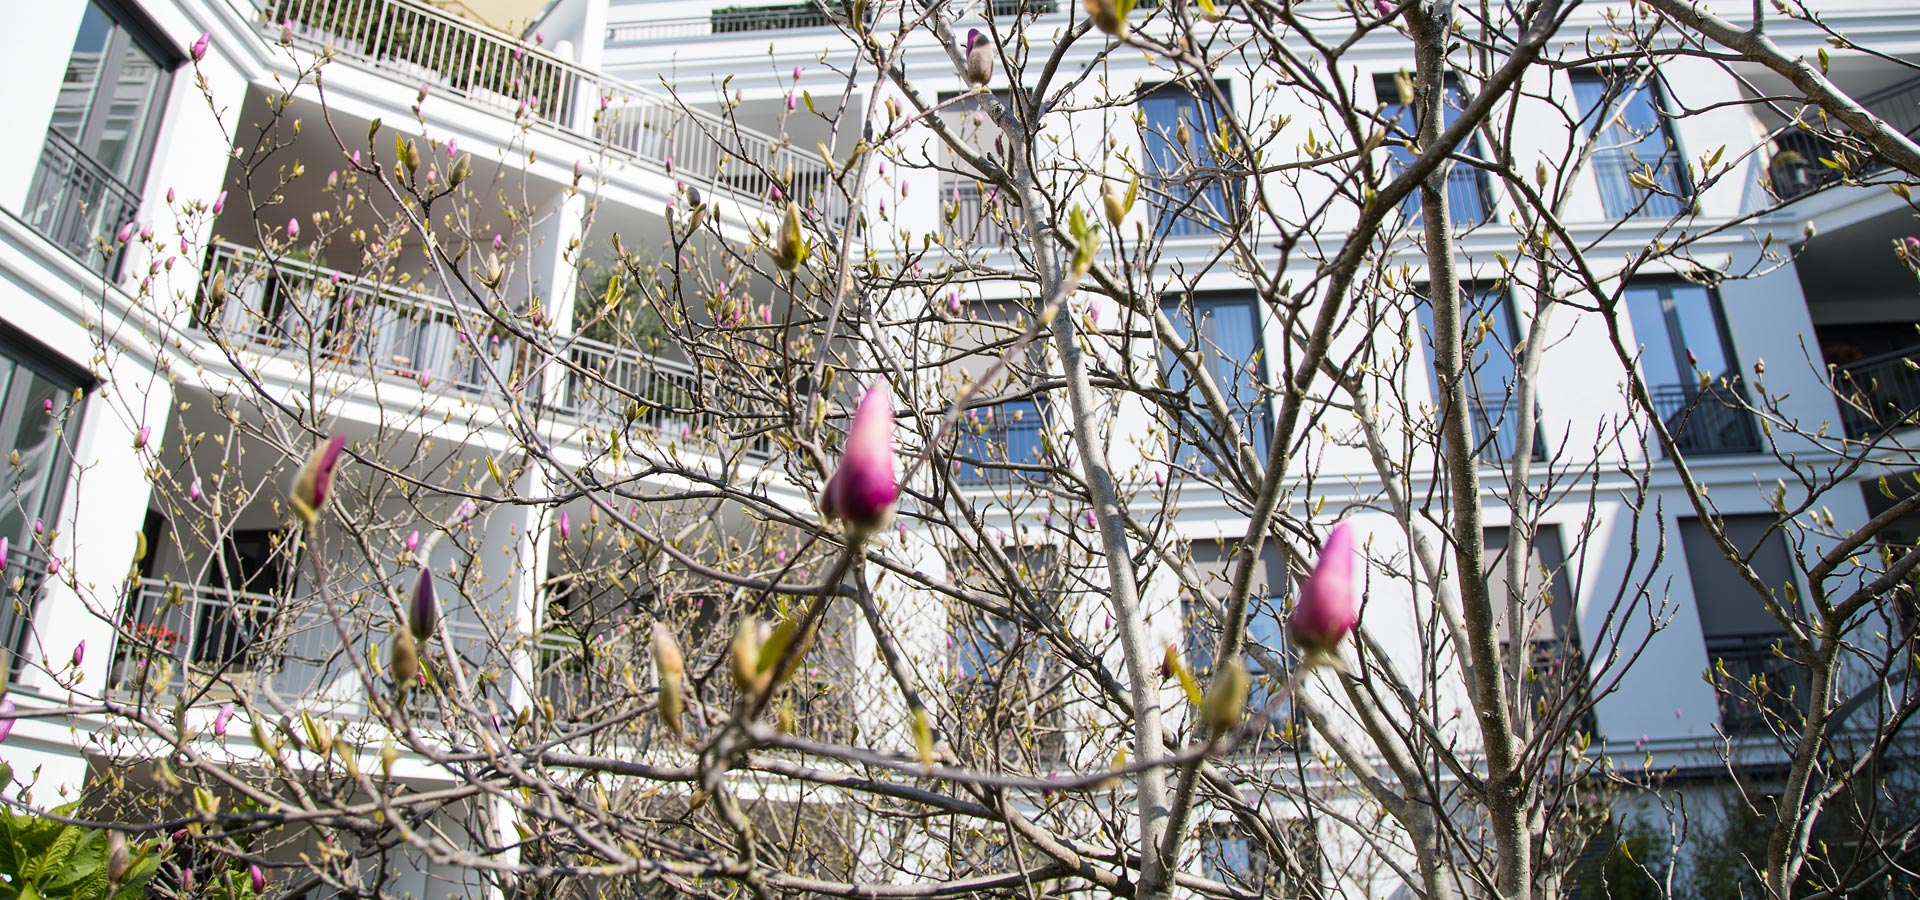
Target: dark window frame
1259,413
1676,178
1179,211
1462,180
1725,428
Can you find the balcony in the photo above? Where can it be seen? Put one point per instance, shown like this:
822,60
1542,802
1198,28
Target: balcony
976,220
1880,392
1805,160
785,17
1756,687
78,204
321,315
1706,421
419,43
192,637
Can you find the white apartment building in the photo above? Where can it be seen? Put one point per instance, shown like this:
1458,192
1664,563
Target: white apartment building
117,395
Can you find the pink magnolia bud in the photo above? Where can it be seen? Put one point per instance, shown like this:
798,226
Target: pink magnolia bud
141,437
314,483
125,233
863,489
426,378
499,242
79,653
423,91
53,565
199,49
7,709
293,227
566,525
39,526
791,102
796,73
47,404
259,878
221,718
193,489
539,37
413,541
453,147
169,195
3,554
146,232
424,612
1327,611
219,202
1913,246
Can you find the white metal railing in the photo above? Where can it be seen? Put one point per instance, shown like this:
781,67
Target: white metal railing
200,631
613,385
299,308
417,41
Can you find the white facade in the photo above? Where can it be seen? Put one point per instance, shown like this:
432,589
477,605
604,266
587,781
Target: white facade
145,364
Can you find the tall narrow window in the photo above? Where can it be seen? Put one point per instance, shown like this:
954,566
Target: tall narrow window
1620,111
1191,192
1556,683
1487,320
1225,331
1756,685
38,417
1687,361
1266,638
1468,202
97,148
997,443
975,214
1232,856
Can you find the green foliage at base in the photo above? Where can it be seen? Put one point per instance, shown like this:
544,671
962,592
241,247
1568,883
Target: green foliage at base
47,859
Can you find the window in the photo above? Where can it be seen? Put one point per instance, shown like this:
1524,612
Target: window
1687,361
1006,701
1558,679
995,440
1739,631
1190,191
1490,366
1633,139
96,152
1225,331
975,214
1232,856
39,413
1266,631
1468,202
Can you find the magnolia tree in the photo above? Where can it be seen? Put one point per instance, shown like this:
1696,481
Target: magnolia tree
828,545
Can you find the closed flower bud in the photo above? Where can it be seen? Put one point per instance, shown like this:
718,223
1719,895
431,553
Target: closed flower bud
413,541
193,489
3,554
199,49
790,244
221,719
566,526
293,227
672,667
258,877
745,659
979,69
119,860
1225,699
141,437
462,169
79,653
7,709
314,483
423,614
219,202
1326,611
125,233
1109,16
403,659
862,491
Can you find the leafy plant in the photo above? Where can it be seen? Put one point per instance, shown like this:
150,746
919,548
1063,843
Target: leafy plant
49,860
